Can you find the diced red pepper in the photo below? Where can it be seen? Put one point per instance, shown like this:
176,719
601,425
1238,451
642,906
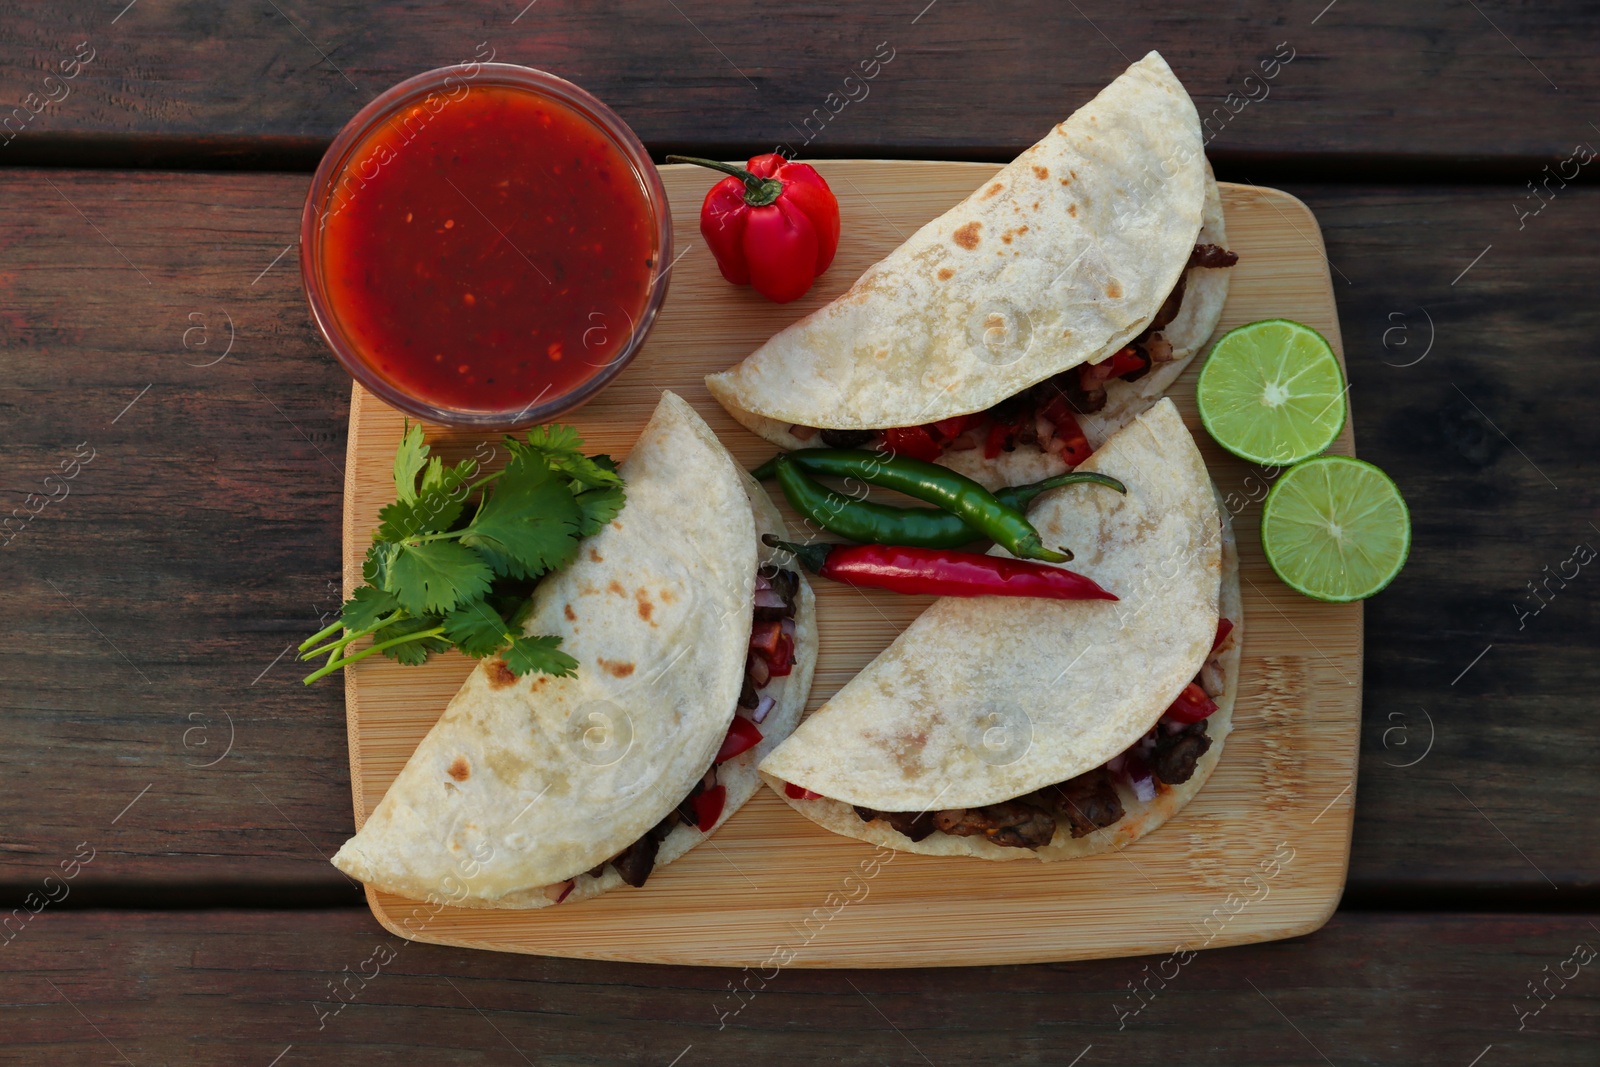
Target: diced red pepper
781,663
916,441
995,443
1224,628
708,807
1127,361
1075,444
764,637
799,792
743,735
1092,376
1192,705
953,427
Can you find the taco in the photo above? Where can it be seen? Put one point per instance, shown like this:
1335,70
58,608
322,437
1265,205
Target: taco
536,790
1007,728
1010,336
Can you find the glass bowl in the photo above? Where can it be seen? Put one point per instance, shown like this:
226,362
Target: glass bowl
434,90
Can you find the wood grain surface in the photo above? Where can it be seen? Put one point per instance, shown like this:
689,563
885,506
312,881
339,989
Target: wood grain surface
244,987
1368,85
202,541
1279,799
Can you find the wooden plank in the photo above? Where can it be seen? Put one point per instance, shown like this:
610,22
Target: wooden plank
235,83
245,987
1278,801
202,539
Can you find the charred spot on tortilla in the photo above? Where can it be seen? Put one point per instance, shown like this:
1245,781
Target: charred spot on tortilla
967,236
945,274
1072,209
460,769
615,668
1114,289
572,616
595,556
993,190
615,586
499,674
646,608
1041,172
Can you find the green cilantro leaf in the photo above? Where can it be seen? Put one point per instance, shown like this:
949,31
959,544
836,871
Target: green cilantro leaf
435,576
375,568
529,524
540,654
599,507
408,462
562,449
369,604
477,629
411,653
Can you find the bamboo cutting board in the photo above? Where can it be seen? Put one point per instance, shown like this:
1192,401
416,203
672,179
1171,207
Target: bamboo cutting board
1260,854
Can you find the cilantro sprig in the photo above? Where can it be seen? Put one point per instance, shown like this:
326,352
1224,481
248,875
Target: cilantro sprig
437,579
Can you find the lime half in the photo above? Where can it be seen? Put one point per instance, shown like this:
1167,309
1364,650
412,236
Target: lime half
1335,528
1272,392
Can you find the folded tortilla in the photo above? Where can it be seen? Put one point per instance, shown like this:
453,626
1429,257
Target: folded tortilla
1061,259
989,699
526,784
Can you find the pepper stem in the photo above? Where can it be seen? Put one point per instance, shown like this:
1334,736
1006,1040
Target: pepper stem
758,192
812,557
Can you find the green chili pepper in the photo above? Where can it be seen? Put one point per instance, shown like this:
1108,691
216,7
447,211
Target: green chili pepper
868,522
1002,523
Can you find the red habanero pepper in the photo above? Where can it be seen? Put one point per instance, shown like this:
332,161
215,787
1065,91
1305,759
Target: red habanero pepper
771,224
743,735
941,572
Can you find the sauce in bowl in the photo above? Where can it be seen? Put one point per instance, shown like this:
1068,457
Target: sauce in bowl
487,254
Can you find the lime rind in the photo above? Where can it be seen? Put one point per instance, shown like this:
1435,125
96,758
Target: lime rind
1373,521
1297,367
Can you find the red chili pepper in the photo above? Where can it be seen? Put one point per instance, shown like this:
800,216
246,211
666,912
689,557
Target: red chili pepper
799,792
917,441
1224,628
1192,705
743,735
708,807
942,572
771,224
995,443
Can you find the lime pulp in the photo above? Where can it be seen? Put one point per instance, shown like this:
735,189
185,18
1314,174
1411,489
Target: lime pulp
1335,528
1272,392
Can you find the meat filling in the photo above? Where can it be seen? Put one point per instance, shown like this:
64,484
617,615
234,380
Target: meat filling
1176,754
915,825
1089,802
1010,823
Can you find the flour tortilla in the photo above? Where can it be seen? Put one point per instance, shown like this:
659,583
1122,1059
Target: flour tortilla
1072,683
524,783
1066,254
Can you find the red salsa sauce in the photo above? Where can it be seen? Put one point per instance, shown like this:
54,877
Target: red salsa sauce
487,250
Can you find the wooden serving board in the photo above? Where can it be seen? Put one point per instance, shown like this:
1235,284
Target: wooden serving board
1261,853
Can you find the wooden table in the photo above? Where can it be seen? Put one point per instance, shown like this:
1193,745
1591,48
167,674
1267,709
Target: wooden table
159,747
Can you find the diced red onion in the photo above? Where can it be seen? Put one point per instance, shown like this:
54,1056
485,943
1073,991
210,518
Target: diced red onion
803,433
762,581
1139,776
1114,764
762,708
769,598
758,671
787,626
1173,726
